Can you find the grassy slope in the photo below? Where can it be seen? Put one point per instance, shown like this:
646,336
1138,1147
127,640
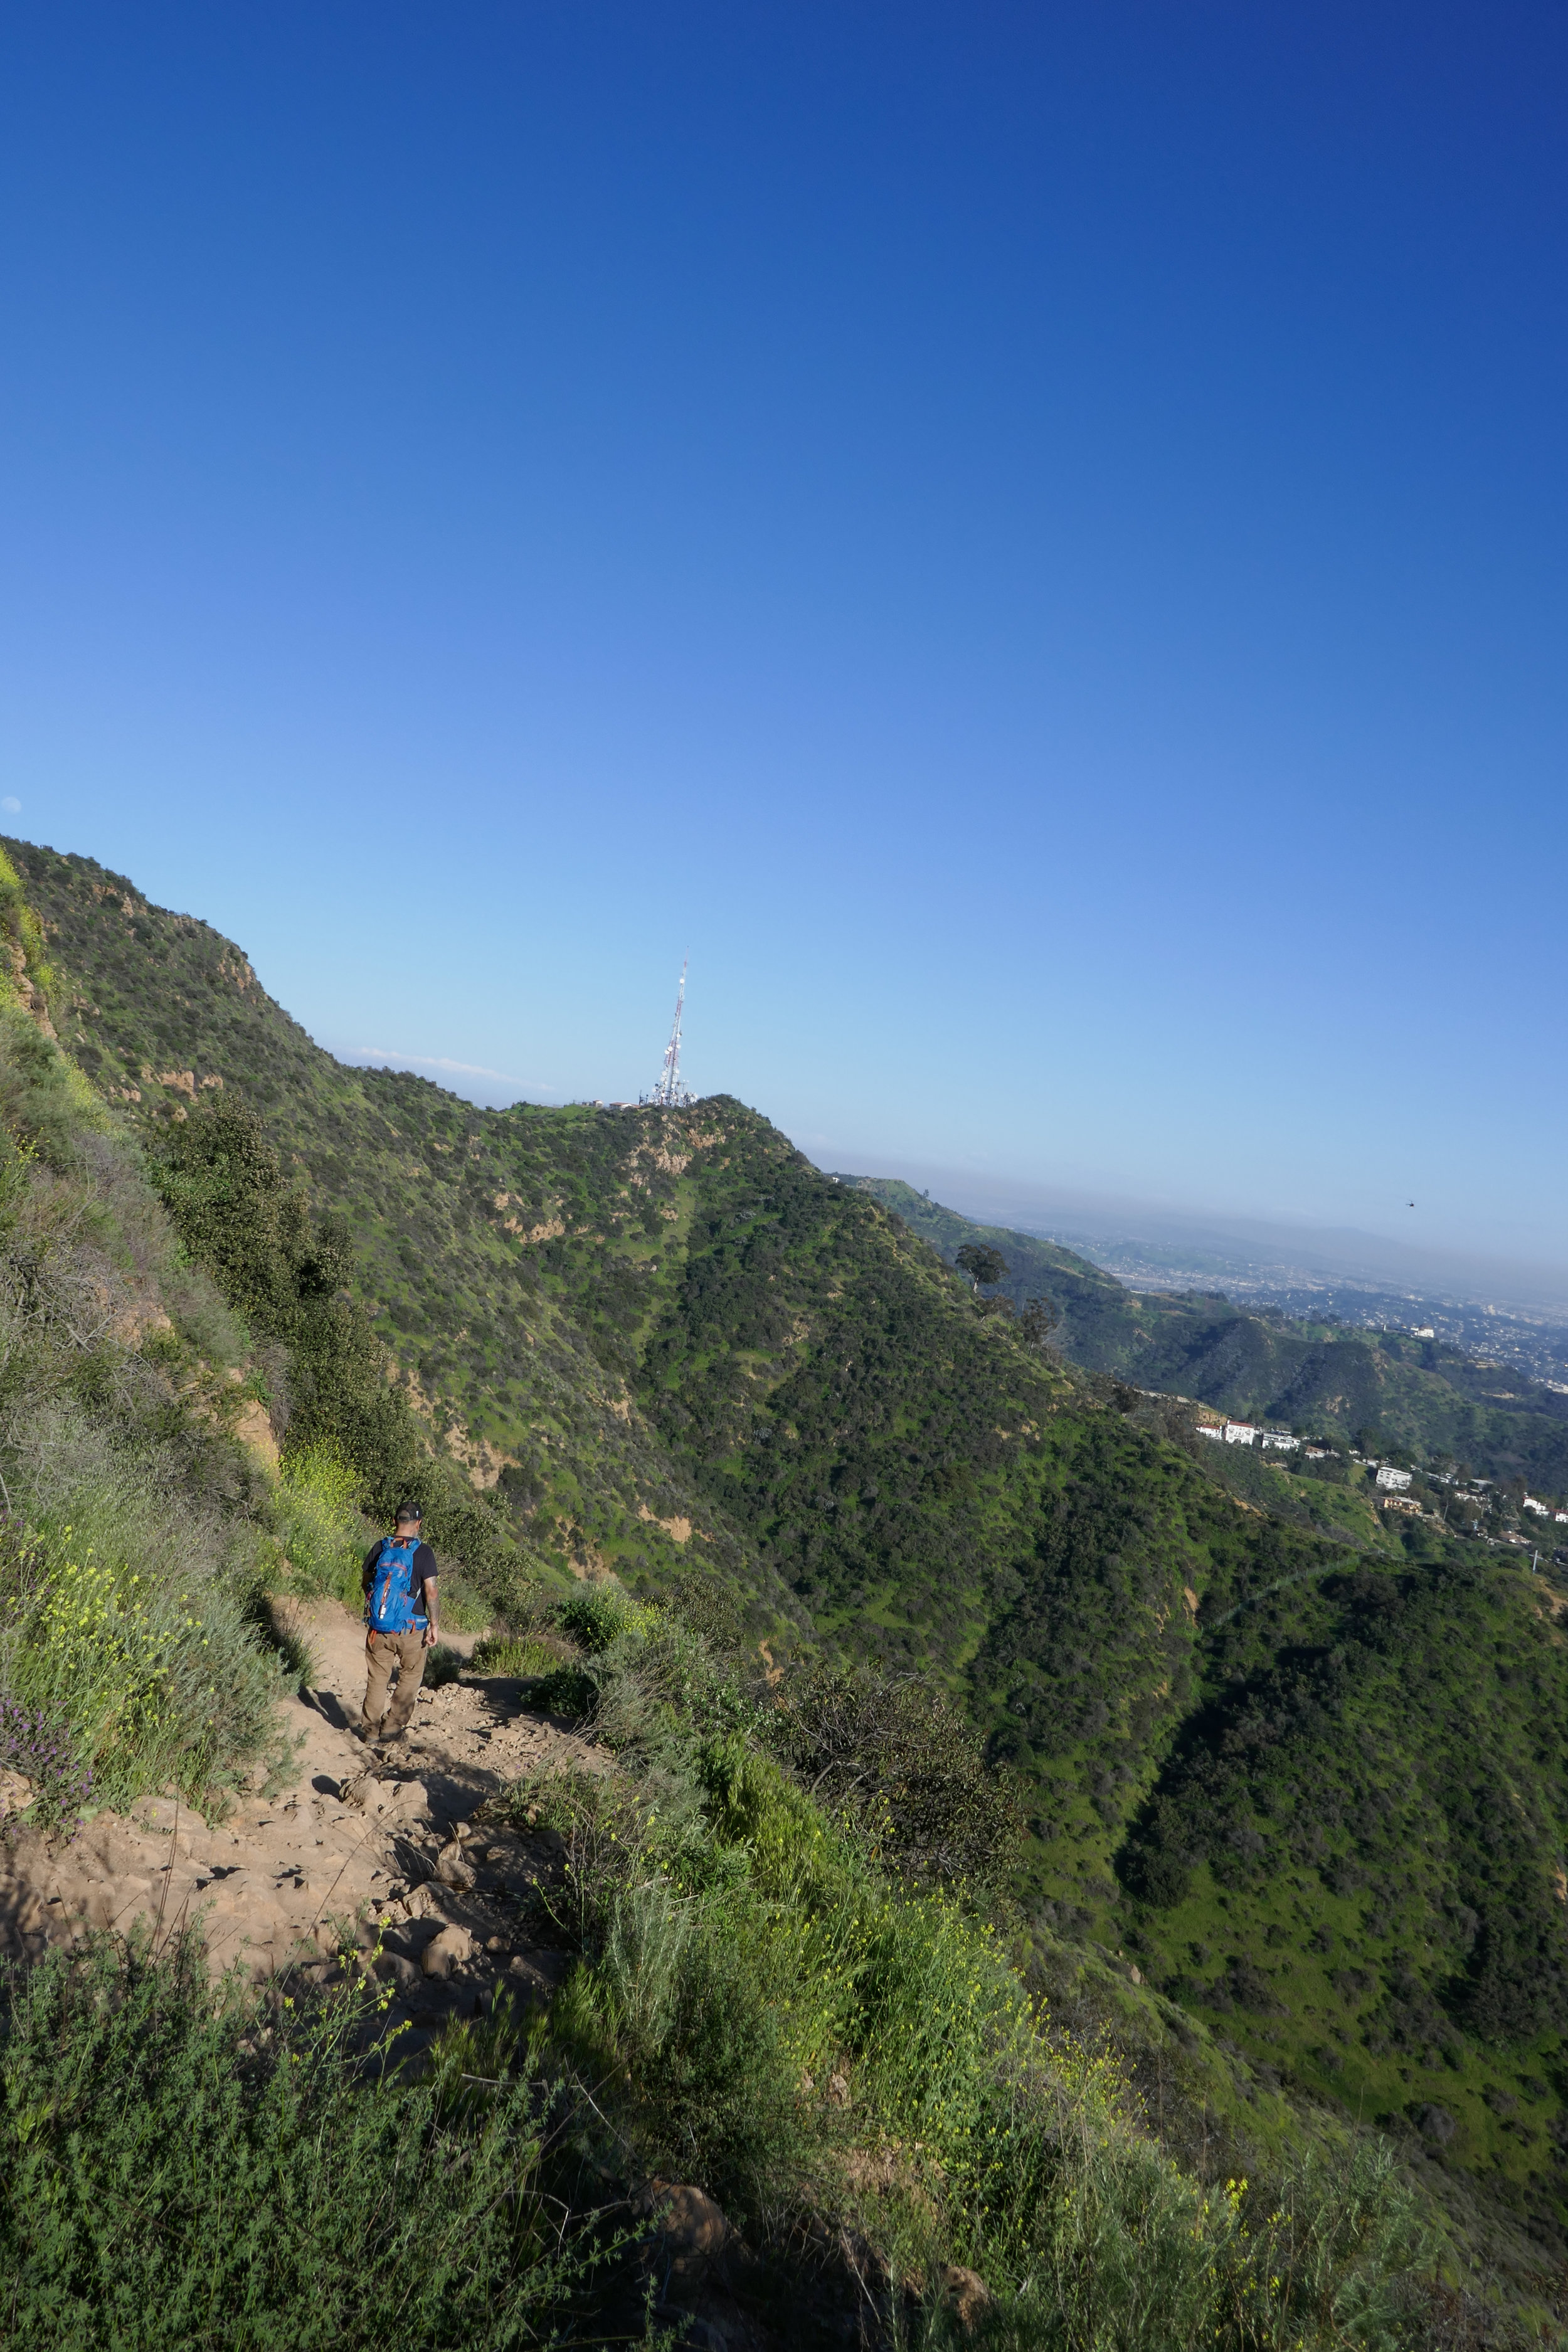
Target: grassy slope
1234,1735
1421,1395
442,1201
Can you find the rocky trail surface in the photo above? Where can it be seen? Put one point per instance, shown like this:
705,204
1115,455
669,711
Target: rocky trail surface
375,1856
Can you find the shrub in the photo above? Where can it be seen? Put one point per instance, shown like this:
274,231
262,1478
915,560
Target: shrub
152,1683
442,1666
44,1754
567,1690
463,1606
515,1653
897,1754
185,2168
139,1636
598,1614
222,1180
316,1518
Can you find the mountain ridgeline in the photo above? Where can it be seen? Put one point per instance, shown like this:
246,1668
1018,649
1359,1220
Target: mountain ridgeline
1392,1390
1307,1773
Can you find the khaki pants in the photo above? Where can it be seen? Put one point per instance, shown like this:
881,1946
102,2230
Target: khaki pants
385,1651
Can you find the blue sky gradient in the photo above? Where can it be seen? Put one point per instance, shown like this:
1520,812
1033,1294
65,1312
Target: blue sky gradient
1031,541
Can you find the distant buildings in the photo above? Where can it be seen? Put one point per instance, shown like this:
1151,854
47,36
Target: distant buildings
1240,1433
1281,1440
1394,1480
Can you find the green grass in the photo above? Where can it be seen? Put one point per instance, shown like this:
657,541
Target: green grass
523,1654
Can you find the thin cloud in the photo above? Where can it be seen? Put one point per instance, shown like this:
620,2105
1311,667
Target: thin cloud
431,1062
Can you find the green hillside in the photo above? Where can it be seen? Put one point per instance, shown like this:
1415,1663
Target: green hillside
1418,1397
1313,1783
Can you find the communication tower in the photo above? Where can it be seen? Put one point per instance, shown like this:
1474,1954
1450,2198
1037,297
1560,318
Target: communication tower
671,1092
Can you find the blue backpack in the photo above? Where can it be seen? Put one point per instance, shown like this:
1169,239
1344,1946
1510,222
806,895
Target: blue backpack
392,1609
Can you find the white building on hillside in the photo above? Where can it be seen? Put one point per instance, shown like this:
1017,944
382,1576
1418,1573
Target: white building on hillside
1394,1480
1240,1433
1282,1439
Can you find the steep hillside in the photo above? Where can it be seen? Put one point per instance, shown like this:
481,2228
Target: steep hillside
1421,1396
1319,1789
470,1231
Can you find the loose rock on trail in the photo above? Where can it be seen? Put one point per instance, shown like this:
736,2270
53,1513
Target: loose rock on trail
374,1850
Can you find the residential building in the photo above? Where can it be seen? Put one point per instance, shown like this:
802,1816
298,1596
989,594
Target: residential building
1211,1429
1240,1433
1282,1439
1395,1480
1531,1505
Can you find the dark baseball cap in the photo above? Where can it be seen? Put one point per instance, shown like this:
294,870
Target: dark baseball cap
409,1511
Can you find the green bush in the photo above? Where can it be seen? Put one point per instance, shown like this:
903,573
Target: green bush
463,1606
515,1653
185,2168
137,1635
317,1520
569,1691
897,1754
442,1666
596,1614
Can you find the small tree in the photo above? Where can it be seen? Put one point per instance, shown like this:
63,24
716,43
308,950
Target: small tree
981,1262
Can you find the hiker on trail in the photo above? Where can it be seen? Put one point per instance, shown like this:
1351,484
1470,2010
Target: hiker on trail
399,1583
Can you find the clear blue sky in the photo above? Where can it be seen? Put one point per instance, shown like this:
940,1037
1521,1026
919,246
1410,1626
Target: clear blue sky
1031,538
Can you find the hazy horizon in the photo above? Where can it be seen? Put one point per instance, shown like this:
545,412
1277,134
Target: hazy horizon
1315,1248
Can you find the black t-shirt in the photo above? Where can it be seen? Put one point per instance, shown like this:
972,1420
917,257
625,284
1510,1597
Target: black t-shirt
424,1566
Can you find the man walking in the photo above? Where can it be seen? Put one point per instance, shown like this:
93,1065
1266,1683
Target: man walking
399,1583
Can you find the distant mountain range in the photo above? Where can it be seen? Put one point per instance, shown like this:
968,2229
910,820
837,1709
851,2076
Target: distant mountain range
1432,1402
1154,1245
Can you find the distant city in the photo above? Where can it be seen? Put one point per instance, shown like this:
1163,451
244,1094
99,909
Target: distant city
1536,1345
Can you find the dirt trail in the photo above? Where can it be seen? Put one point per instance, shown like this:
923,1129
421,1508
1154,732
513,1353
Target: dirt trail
357,1847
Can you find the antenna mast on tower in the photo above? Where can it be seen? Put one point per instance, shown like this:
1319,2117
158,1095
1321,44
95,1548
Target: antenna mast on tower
671,1093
